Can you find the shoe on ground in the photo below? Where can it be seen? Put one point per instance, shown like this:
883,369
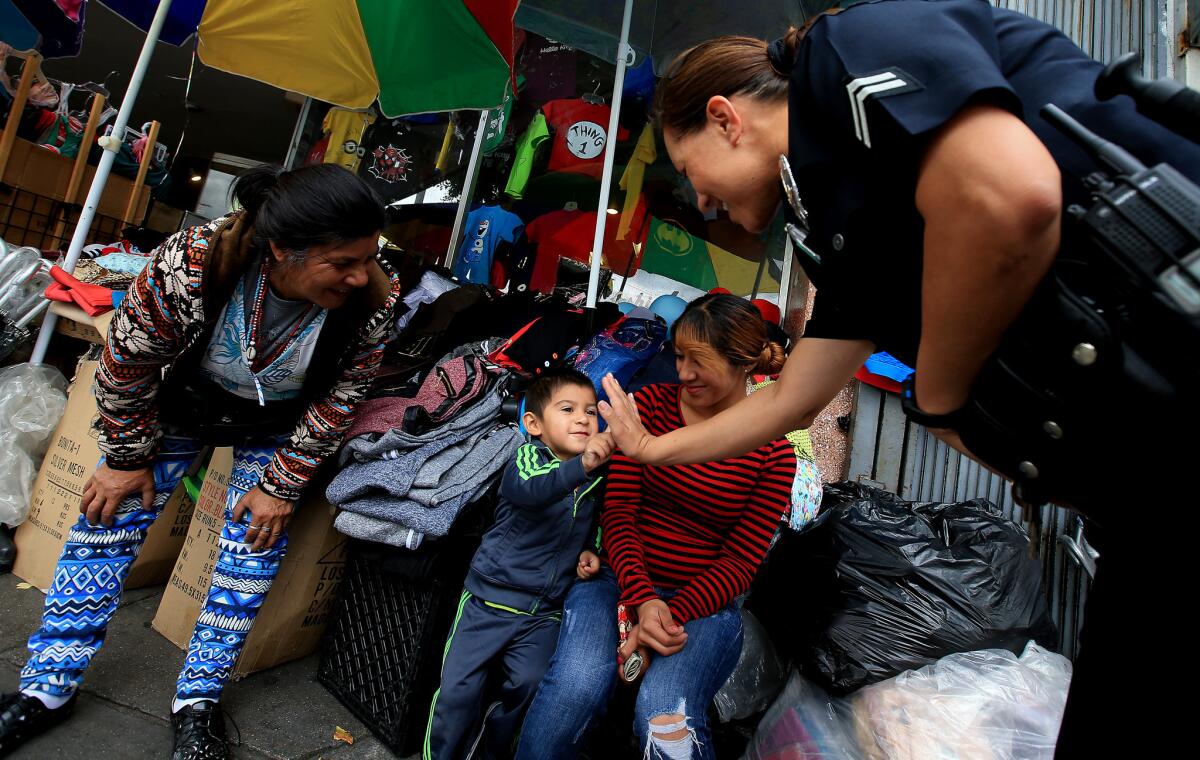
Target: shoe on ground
23,717
200,733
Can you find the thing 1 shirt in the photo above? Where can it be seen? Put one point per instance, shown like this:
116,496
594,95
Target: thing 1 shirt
486,228
580,131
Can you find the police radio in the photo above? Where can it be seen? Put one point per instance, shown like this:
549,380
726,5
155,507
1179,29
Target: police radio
1114,327
1146,220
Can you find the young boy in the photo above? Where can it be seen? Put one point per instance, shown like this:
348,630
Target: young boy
508,617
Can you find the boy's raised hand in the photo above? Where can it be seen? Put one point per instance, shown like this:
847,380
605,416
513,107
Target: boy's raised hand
599,449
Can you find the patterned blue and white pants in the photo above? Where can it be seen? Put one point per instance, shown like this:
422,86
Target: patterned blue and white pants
87,584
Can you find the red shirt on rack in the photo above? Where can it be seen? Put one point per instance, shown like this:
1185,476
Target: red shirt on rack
701,528
580,132
570,234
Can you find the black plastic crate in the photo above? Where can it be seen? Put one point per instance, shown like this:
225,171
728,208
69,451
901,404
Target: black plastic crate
382,655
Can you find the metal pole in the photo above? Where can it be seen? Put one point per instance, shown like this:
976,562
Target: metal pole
785,277
468,190
111,145
624,58
637,249
762,266
289,160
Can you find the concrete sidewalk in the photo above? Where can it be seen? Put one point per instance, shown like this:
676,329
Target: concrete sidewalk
123,711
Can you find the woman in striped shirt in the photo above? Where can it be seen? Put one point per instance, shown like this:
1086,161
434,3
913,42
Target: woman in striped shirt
681,545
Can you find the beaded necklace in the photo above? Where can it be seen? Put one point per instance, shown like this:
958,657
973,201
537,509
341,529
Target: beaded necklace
254,337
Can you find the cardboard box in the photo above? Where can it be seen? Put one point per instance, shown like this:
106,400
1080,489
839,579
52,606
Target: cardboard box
292,620
54,505
73,321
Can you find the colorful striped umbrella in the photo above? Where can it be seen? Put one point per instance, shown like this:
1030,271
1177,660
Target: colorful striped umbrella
414,56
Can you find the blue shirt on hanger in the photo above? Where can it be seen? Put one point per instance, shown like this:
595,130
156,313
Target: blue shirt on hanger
486,228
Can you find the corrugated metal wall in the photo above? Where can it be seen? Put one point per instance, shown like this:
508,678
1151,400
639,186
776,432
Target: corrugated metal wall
1106,29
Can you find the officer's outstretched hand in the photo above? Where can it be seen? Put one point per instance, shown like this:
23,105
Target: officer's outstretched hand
624,424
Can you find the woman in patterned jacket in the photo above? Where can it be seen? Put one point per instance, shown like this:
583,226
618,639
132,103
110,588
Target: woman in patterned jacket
260,330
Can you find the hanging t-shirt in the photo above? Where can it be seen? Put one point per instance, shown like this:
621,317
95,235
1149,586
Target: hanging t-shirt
345,130
672,252
580,131
486,228
569,235
639,83
497,121
317,154
549,67
514,269
400,158
644,154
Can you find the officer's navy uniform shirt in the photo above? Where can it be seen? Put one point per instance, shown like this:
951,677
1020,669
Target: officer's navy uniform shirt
870,86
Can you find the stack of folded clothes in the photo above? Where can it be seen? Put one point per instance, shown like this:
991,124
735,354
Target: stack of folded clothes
411,464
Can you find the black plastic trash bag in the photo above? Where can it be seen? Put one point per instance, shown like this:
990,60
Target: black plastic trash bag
757,678
879,585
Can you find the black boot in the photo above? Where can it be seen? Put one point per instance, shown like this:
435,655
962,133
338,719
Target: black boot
23,717
199,733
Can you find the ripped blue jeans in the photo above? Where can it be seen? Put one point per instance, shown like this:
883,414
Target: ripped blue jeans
575,690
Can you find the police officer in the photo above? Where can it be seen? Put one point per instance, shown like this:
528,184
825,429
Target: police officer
926,196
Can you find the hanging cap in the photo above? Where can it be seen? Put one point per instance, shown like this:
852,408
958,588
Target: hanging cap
720,291
669,307
770,312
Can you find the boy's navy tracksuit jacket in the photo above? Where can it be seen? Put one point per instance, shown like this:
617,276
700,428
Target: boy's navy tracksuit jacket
509,613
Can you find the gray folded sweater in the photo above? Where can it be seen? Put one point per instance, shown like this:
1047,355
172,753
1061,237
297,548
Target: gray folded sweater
409,514
479,416
380,531
385,489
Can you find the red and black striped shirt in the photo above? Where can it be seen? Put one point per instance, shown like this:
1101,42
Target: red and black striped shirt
700,528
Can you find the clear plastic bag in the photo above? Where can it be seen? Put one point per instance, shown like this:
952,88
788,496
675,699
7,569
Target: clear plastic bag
805,723
757,677
989,705
984,705
32,400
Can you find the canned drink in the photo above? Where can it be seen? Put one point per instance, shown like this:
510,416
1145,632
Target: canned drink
628,669
632,668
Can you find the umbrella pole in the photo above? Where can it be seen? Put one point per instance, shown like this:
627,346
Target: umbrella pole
762,265
111,145
624,57
468,190
785,277
637,249
289,161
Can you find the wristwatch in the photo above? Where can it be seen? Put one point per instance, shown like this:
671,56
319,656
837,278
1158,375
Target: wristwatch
908,402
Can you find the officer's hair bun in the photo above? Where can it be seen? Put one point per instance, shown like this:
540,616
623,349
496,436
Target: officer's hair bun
791,40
